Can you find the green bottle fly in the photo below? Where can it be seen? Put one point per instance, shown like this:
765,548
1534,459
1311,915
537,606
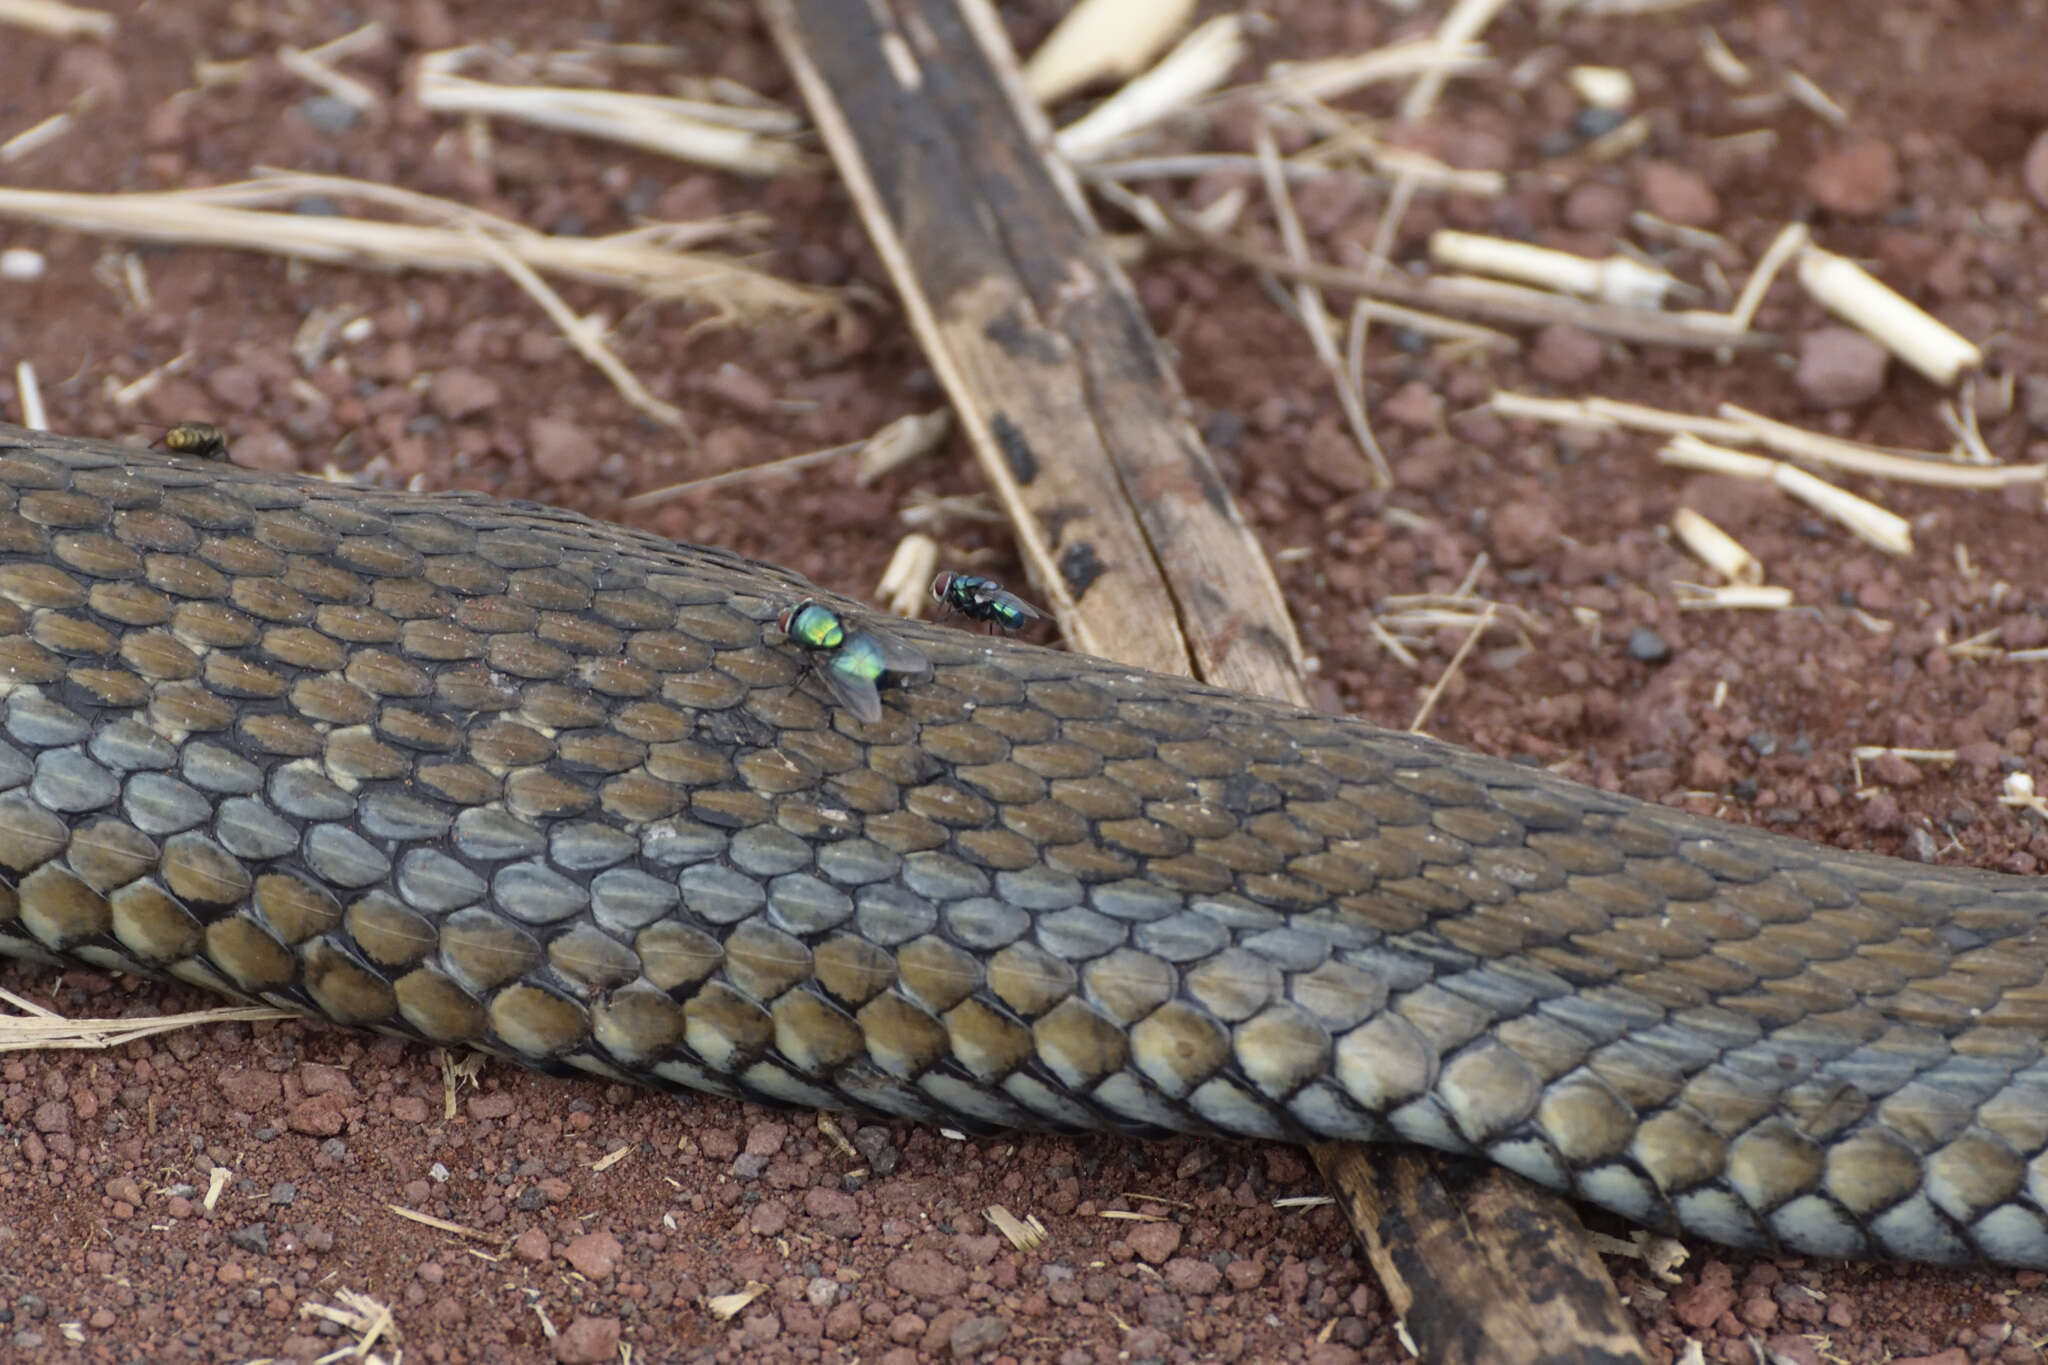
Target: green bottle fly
856,662
984,599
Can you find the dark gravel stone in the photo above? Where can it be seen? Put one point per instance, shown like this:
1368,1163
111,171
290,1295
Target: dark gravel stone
1646,646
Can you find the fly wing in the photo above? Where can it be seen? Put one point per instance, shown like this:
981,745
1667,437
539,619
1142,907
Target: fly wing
854,692
1024,609
906,661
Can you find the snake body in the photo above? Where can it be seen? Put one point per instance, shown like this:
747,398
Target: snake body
491,774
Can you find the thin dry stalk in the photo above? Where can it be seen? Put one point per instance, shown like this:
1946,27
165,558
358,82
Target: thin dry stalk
638,261
910,437
1787,244
1721,552
1193,69
905,586
1488,299
1816,448
31,392
584,337
1315,318
37,1029
1465,21
1730,597
316,72
787,464
1870,523
655,123
53,19
1332,78
37,136
1901,326
1443,679
1102,40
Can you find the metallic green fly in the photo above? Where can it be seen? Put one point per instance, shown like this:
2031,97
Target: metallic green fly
856,662
984,599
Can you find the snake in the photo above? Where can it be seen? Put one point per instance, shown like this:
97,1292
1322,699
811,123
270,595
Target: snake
494,775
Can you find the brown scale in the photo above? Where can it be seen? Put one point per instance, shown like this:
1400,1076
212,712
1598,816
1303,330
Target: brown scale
1308,883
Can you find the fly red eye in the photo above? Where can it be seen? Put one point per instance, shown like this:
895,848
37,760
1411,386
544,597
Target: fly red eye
941,586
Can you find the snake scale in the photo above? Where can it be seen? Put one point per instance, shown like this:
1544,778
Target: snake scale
492,774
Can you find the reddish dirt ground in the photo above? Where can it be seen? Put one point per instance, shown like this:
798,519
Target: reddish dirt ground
108,1252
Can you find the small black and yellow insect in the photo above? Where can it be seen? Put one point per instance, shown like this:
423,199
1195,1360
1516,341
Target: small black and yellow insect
984,599
200,440
856,662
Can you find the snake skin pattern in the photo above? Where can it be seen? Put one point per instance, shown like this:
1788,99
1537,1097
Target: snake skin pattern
495,775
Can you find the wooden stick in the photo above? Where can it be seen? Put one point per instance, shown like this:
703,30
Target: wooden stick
1080,424
1509,305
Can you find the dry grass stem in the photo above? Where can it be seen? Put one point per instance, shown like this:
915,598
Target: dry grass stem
2018,792
1619,143
1789,241
135,390
364,1317
357,42
726,1307
1333,78
1831,451
443,1224
1727,597
1803,91
37,1028
1315,318
1563,412
1200,63
315,71
53,19
1721,59
33,415
1617,9
1102,40
1870,523
585,335
1603,87
1609,414
910,437
1663,422
1616,280
905,587
655,123
1902,327
1465,21
1434,325
642,260
787,464
1721,552
1491,300
1443,679
37,136
1025,1234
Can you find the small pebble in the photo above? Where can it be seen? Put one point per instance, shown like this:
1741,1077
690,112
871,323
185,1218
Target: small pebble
588,1341
2034,170
20,264
330,115
562,450
1859,179
1678,194
1646,646
1565,354
1840,367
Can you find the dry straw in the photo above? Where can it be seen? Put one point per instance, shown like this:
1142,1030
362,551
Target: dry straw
655,260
